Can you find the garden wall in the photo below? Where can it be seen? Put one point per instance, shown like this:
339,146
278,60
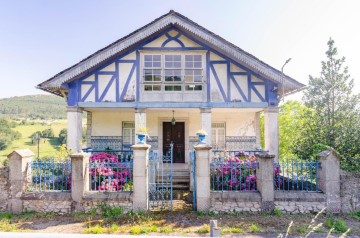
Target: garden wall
235,201
4,188
350,191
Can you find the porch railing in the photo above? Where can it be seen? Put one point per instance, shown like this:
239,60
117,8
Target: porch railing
233,171
111,170
49,175
296,175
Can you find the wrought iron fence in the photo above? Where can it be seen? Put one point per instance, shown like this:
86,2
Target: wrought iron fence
49,175
296,175
111,171
233,171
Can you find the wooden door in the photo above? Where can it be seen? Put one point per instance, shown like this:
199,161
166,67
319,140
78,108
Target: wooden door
175,134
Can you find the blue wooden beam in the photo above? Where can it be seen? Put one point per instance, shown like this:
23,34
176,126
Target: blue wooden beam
172,105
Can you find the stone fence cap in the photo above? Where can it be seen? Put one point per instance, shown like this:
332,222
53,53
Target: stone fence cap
24,153
264,155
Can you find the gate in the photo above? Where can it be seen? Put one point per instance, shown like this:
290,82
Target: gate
193,174
161,181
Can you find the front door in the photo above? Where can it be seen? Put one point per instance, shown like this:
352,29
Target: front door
176,135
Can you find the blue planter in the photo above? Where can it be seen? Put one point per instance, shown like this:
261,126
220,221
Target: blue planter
202,138
141,138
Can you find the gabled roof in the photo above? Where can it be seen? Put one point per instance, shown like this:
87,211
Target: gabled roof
55,83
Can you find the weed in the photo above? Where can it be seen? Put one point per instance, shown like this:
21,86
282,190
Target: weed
319,230
201,213
94,230
6,215
27,214
277,212
254,228
356,215
139,217
301,230
6,226
110,212
228,230
339,226
153,228
212,213
135,230
204,229
166,230
113,228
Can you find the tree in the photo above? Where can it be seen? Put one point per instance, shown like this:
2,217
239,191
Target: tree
7,135
63,136
334,119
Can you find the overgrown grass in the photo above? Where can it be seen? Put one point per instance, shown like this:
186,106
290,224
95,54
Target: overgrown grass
339,226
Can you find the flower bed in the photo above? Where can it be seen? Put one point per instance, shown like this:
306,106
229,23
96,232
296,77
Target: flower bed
110,173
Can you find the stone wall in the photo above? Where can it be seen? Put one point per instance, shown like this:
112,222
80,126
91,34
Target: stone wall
58,202
299,202
235,201
93,200
4,188
350,191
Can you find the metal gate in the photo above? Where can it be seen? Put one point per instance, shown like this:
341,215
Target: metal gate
193,173
161,181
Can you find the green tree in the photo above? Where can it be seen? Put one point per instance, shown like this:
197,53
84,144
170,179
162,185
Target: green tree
7,135
63,136
334,117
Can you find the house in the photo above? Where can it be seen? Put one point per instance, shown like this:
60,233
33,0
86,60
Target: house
174,77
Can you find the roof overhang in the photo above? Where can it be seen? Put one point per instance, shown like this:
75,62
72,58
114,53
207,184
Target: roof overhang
287,84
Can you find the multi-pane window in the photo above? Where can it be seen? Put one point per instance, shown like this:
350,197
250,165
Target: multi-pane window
218,135
173,72
128,134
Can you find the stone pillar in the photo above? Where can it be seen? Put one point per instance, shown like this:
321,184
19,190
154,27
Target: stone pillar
79,179
74,129
88,128
140,119
257,130
19,178
329,179
140,177
271,121
265,180
203,159
205,123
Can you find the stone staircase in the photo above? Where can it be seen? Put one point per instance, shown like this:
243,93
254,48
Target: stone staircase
181,178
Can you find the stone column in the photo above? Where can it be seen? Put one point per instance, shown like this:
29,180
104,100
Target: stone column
79,179
271,119
140,119
205,123
203,159
265,180
74,129
329,179
257,130
19,178
140,177
88,128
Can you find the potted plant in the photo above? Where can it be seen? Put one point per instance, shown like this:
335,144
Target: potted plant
142,133
202,136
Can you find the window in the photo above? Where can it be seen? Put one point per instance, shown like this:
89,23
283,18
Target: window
218,135
128,134
152,72
173,72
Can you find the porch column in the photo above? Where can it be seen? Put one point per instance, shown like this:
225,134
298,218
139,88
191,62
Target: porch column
88,128
271,121
205,114
257,130
140,118
74,129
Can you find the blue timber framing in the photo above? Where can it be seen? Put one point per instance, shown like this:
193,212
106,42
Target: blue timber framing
75,98
173,105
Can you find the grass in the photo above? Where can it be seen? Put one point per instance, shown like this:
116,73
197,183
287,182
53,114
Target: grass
203,230
339,226
6,226
48,147
254,228
97,229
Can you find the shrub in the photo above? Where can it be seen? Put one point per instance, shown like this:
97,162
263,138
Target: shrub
338,225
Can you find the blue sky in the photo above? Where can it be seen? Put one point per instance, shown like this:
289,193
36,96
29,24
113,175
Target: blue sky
40,38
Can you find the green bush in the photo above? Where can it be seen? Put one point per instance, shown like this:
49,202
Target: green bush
338,225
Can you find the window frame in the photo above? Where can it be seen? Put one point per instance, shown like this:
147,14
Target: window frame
215,136
132,133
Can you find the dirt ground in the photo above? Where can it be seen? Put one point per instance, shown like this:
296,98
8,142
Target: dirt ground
181,221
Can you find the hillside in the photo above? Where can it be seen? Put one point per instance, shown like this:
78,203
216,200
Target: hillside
34,107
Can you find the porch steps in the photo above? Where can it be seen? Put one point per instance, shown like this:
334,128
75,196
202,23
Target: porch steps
181,178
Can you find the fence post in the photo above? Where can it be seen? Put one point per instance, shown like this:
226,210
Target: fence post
19,176
265,180
329,179
203,159
79,179
140,177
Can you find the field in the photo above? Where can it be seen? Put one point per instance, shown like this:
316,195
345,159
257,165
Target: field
48,146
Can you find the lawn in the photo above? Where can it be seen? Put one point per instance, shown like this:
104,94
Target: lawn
48,147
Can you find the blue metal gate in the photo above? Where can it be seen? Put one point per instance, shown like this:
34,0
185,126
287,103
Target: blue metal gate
161,181
193,173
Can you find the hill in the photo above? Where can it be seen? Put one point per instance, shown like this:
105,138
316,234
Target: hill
33,107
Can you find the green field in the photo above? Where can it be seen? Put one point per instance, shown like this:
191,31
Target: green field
48,146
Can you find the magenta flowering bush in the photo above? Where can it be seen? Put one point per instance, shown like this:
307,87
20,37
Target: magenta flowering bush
233,172
107,173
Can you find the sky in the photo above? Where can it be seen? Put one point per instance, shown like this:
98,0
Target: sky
40,38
